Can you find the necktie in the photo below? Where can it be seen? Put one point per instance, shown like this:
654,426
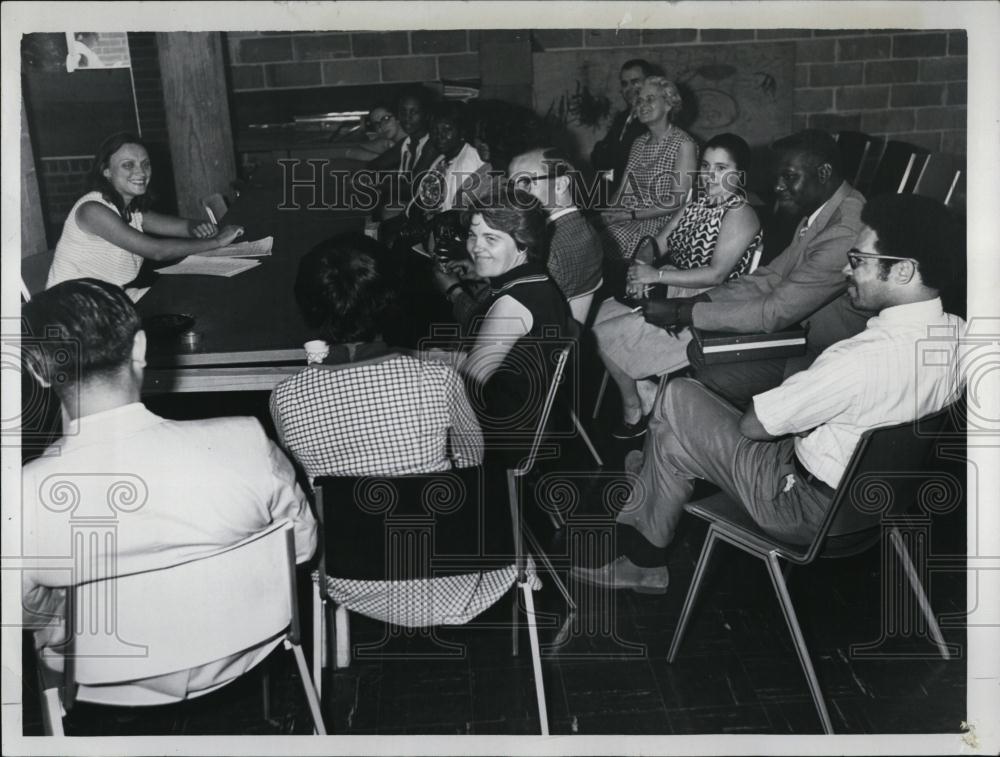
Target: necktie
407,158
621,137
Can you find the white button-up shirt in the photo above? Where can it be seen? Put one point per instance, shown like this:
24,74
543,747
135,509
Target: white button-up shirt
903,366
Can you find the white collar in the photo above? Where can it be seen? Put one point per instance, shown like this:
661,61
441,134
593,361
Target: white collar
561,212
920,312
409,140
815,214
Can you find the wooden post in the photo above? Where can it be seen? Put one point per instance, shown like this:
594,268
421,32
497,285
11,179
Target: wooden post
32,224
198,123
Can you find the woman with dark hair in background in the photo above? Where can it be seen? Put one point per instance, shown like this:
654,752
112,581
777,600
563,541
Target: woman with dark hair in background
714,239
106,235
367,409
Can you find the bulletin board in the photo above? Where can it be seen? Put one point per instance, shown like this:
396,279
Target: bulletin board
747,89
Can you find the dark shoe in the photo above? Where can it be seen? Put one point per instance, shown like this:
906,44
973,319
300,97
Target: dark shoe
626,431
622,573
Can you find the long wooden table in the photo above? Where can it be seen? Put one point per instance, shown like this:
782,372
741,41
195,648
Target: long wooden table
249,327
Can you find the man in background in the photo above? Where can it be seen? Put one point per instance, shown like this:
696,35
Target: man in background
610,155
191,487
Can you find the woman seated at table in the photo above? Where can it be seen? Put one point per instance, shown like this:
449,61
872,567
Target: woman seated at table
658,173
524,320
367,409
382,122
715,239
107,234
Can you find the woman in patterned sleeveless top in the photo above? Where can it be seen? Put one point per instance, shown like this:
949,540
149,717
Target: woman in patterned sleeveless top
716,238
106,235
658,175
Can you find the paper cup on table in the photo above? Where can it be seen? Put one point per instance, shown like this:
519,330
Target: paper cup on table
316,351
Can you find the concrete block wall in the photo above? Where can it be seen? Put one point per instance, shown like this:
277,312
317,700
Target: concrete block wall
893,84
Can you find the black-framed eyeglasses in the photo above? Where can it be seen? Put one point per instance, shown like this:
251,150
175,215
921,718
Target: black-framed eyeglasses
524,181
376,122
855,256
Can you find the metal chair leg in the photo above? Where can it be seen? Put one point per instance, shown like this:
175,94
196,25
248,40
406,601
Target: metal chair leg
538,553
342,623
600,395
774,570
918,589
309,688
319,636
536,659
265,685
692,595
586,439
52,713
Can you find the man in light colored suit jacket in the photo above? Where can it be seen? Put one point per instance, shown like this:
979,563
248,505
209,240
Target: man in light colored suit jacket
804,284
160,492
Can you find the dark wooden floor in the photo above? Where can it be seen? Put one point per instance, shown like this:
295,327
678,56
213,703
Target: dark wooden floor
737,671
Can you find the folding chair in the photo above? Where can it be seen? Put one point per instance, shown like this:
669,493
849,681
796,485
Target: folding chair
216,207
956,195
897,168
883,479
938,177
854,148
429,542
178,618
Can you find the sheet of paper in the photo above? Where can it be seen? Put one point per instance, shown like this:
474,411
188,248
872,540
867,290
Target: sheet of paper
199,266
258,248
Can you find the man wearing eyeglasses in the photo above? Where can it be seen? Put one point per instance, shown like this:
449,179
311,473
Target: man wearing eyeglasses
610,155
784,457
575,252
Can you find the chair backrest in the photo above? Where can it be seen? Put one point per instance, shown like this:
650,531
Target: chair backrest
562,358
956,194
854,148
409,527
216,207
885,476
186,615
937,177
895,172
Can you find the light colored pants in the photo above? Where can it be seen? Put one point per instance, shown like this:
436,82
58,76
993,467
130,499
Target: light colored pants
694,433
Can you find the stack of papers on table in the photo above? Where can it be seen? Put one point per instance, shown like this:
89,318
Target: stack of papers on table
200,266
259,248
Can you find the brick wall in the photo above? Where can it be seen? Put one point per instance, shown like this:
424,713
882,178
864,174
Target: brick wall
894,84
61,182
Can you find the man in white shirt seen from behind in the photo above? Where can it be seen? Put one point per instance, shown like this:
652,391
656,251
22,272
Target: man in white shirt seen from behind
784,457
169,491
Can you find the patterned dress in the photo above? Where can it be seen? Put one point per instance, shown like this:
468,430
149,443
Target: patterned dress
641,349
692,242
647,176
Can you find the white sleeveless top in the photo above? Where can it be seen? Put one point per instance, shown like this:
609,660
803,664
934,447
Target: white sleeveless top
80,254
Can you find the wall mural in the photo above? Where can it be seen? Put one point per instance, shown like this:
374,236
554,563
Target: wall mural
746,88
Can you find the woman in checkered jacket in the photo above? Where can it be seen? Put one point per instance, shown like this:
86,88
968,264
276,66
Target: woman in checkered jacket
367,408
